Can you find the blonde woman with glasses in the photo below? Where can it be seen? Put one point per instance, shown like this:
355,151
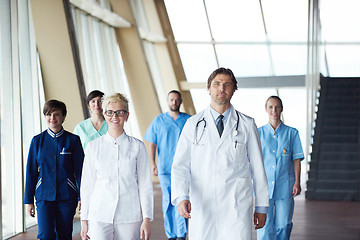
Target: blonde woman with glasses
116,190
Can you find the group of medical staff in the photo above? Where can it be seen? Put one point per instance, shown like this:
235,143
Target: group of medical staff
211,167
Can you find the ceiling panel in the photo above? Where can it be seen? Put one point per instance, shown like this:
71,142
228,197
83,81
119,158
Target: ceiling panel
244,60
234,20
188,20
286,21
198,61
340,20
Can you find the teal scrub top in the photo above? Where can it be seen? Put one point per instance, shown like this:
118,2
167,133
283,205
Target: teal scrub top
280,148
87,132
164,131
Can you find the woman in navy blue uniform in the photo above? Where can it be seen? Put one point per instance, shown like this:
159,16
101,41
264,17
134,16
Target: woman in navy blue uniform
53,175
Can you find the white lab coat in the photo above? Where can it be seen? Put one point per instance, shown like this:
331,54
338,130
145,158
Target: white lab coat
218,178
116,185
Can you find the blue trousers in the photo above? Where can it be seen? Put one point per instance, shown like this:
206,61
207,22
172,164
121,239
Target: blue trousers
174,224
278,221
55,219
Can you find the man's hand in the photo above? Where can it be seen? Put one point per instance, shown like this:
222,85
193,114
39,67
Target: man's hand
152,153
153,169
184,208
259,220
296,189
30,208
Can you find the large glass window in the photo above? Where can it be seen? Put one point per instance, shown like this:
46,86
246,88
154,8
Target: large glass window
101,60
253,38
150,52
193,57
20,106
341,38
7,123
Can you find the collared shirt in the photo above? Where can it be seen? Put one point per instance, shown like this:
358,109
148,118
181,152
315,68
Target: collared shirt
215,115
117,185
164,131
54,166
280,148
87,132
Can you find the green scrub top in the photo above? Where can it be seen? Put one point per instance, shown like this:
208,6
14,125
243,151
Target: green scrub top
87,132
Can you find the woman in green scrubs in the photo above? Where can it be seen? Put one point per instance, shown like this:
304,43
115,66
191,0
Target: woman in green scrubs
95,126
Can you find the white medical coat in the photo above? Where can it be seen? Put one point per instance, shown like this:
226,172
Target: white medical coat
116,181
218,178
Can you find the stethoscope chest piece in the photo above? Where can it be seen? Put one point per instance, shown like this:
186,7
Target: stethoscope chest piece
235,133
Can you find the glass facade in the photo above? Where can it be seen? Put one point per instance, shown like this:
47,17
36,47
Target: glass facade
21,101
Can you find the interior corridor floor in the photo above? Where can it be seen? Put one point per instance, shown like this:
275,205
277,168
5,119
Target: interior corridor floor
313,220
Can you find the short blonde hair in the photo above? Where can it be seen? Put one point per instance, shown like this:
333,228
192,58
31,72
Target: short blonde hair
116,98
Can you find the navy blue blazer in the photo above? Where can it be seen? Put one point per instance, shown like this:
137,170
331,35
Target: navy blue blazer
54,166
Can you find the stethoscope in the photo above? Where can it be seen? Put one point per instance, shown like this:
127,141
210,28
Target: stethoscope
197,140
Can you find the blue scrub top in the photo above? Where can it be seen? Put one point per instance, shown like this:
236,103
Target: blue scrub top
280,148
87,132
164,131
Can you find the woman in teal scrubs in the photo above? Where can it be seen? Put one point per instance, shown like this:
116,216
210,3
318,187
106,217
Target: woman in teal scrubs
95,126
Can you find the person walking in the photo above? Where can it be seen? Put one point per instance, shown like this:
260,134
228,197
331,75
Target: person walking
53,175
218,168
117,192
163,135
282,153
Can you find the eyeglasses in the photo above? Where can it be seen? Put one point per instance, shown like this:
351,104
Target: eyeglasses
119,113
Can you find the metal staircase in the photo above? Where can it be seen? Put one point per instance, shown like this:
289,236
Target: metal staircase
335,159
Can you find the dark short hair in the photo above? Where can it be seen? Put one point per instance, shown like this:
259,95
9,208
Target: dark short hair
274,97
175,91
92,95
225,71
54,105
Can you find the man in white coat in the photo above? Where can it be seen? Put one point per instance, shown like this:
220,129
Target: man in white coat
218,168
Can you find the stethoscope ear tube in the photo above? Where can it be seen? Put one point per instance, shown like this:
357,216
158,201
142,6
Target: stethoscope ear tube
197,140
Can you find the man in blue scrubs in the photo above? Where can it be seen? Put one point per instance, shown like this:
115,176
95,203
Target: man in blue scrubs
282,153
163,134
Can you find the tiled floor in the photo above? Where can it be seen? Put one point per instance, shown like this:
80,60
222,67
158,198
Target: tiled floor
313,220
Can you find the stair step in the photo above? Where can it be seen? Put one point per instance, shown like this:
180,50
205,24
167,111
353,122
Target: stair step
333,184
322,135
340,99
339,156
321,174
338,147
335,113
338,106
345,165
339,93
337,122
340,130
330,165
342,83
341,195
330,138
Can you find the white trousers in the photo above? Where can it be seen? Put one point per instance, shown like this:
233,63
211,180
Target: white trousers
110,231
